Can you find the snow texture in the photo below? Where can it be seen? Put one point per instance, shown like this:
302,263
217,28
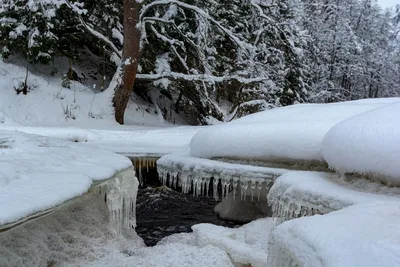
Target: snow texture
297,194
39,173
127,140
172,254
245,245
367,144
290,133
366,234
194,174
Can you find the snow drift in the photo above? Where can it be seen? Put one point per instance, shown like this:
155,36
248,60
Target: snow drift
289,133
368,144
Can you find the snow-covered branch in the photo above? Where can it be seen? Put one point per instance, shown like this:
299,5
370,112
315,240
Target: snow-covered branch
96,33
199,78
243,45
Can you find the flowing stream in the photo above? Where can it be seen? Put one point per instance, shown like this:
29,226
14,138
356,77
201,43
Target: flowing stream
161,211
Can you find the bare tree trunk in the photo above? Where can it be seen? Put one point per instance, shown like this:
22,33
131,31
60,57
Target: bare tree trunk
130,58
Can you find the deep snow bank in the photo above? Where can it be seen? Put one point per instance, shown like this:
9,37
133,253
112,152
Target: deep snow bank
362,235
289,133
368,144
39,173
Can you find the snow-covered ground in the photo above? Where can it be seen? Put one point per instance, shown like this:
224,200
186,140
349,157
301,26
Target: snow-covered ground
362,235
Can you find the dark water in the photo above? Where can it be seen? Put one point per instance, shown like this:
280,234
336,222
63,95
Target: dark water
161,212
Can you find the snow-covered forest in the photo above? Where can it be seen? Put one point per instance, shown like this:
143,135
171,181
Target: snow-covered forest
210,60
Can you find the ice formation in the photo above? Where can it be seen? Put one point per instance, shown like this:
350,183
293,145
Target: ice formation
76,234
298,194
198,175
141,163
120,194
365,234
38,175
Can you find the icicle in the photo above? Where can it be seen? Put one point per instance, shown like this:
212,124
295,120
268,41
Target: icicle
259,188
207,184
140,176
198,187
174,181
235,183
147,164
246,185
115,203
184,179
215,188
242,191
253,187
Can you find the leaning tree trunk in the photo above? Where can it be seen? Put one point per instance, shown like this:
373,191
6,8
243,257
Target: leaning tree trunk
130,58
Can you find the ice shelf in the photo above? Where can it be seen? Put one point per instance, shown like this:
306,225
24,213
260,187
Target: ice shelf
299,194
119,192
198,175
38,175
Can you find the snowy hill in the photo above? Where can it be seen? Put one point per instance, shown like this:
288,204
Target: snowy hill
48,103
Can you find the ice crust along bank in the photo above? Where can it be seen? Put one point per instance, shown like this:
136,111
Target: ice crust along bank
38,174
194,174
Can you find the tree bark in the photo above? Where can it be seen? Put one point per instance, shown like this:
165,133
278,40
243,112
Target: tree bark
130,58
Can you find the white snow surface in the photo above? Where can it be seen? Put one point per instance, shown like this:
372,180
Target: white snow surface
245,245
366,235
127,140
38,173
367,144
168,255
325,191
289,133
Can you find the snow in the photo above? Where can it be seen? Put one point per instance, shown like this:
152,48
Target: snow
309,193
38,173
79,106
207,245
367,144
173,254
246,245
290,133
366,234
